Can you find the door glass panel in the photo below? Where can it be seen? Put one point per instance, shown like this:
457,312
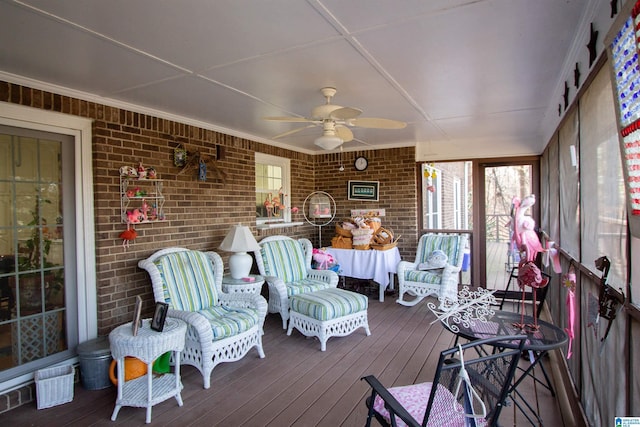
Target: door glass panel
32,291
502,184
446,193
25,159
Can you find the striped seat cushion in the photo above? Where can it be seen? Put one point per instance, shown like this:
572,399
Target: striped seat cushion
189,280
304,286
284,259
433,277
328,304
226,321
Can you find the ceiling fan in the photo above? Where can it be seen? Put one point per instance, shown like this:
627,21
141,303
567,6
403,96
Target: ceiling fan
336,121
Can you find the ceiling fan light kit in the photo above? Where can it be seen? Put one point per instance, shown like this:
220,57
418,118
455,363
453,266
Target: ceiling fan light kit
328,142
335,121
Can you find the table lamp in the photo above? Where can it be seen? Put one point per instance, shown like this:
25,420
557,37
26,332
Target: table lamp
239,240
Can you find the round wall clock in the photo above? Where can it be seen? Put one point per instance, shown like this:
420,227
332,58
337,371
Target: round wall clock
361,163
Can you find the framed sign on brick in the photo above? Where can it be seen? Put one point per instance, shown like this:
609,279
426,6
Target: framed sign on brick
363,190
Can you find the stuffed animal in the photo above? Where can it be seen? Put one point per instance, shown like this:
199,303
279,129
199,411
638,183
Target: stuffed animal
128,236
128,171
144,210
134,216
324,259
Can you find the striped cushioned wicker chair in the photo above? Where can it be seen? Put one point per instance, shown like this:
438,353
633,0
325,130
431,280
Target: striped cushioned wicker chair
221,327
286,265
420,279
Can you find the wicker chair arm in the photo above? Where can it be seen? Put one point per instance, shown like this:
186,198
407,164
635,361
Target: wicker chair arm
197,323
404,266
278,285
451,269
326,276
254,301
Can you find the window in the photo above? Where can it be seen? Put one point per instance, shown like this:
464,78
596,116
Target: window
272,190
432,197
446,196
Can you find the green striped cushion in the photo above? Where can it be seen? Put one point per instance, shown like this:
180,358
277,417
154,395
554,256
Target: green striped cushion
329,303
189,281
433,277
305,285
226,321
450,245
284,259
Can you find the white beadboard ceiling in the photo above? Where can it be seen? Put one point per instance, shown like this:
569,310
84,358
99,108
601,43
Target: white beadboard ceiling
472,78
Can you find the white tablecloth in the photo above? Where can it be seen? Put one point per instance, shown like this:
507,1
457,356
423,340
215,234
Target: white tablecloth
371,264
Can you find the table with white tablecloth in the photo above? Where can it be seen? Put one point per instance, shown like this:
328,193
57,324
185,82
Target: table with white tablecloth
368,264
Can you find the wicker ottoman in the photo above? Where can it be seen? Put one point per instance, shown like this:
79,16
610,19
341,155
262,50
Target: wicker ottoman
328,313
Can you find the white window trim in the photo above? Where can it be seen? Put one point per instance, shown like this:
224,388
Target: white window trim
457,209
432,203
80,129
285,164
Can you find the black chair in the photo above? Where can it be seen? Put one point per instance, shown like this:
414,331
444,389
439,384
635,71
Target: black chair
451,402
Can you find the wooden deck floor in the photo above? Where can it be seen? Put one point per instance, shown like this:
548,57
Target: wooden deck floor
296,384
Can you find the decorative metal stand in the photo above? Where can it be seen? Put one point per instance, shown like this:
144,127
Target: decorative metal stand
609,300
319,209
471,306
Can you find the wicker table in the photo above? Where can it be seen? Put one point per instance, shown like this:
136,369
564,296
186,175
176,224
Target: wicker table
147,345
231,285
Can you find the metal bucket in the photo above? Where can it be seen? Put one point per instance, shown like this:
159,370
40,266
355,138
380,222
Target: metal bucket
95,358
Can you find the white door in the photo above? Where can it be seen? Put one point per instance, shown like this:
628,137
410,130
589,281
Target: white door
38,310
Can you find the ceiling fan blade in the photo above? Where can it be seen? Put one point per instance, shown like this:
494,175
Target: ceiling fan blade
291,132
344,133
376,123
345,113
288,119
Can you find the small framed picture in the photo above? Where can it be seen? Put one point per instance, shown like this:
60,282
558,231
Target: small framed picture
159,316
363,190
180,156
135,325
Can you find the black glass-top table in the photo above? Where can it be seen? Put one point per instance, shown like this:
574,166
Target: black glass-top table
503,323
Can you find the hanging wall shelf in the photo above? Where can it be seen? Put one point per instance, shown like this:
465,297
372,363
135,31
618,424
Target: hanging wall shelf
141,200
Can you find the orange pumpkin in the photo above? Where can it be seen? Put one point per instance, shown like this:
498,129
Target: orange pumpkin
133,368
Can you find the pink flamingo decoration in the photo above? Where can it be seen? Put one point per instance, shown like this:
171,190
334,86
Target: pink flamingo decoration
128,236
527,241
525,235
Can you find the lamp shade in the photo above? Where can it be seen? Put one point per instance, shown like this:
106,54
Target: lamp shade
239,240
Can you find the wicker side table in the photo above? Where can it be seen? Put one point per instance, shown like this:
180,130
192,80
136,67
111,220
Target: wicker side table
231,285
148,345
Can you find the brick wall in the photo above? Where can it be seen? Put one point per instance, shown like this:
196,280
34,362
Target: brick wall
200,213
395,170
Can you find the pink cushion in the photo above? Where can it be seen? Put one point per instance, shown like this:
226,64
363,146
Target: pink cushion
415,397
